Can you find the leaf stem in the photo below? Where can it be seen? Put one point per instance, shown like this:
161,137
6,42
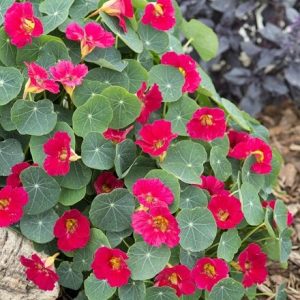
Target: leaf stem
165,109
126,244
252,232
187,44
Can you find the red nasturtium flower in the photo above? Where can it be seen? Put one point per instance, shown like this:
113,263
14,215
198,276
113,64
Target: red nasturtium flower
157,226
188,68
156,137
235,137
151,101
252,262
226,210
14,178
90,36
207,124
152,192
116,135
39,272
106,182
21,25
39,80
271,204
160,15
72,230
110,264
69,75
59,154
177,277
209,271
12,201
211,184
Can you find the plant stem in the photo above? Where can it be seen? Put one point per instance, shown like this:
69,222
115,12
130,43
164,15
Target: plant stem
252,232
126,244
165,109
187,44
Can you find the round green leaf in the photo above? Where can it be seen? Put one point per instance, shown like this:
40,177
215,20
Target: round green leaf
43,190
227,289
93,116
134,290
257,180
192,197
7,51
285,244
5,117
81,8
146,261
68,277
189,258
112,211
198,228
39,228
125,156
161,293
229,245
4,5
70,197
207,87
280,215
116,238
219,163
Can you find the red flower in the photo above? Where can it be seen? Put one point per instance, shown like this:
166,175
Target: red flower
188,68
115,135
107,182
212,184
160,15
14,178
39,273
207,124
110,264
21,25
156,137
252,262
72,230
92,35
208,272
69,75
261,151
152,192
235,137
271,204
178,278
39,80
157,226
12,201
151,101
226,210
59,154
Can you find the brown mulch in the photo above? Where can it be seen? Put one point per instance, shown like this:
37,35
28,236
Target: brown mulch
283,121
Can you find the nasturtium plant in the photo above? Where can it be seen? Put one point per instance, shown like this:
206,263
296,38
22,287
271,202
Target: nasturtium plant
120,158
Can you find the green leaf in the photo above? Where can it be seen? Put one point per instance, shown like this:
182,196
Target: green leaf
269,221
180,112
285,244
10,84
11,153
4,5
189,258
34,118
56,13
257,180
112,211
192,197
134,290
8,52
280,215
43,190
207,87
125,156
204,40
280,292
227,289
5,117
39,228
70,197
169,80
97,152
198,228
229,245
68,277
93,116
97,289
81,8
160,293
126,107
251,206
130,38
116,238
219,163
185,160
145,59
146,261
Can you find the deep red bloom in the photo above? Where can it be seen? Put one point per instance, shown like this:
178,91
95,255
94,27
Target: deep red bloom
209,271
212,184
116,135
12,201
207,124
40,274
160,15
252,262
21,25
151,101
152,192
235,137
107,182
39,80
271,204
178,278
110,264
188,68
261,151
14,178
157,226
90,36
72,230
69,75
156,137
226,210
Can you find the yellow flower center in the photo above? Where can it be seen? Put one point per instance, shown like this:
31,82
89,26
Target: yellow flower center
4,203
158,144
182,71
209,270
115,263
223,215
106,188
149,198
71,225
158,10
248,265
174,278
63,154
160,223
259,156
207,120
28,25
